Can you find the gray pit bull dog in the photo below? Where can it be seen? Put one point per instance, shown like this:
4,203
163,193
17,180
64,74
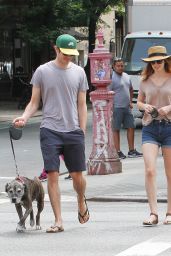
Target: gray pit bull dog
22,192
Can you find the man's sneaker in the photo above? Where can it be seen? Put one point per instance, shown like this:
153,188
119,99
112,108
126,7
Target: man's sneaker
68,177
121,155
43,176
134,153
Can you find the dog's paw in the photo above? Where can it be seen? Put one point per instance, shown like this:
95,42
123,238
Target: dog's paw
20,229
38,227
32,222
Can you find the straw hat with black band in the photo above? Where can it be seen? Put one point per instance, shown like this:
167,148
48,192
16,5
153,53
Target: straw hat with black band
156,53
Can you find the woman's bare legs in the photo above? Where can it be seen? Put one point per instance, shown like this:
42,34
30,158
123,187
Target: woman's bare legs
167,163
150,153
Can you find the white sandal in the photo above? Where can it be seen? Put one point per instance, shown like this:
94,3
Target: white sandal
167,220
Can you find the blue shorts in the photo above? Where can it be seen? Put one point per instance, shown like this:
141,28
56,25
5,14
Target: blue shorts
157,132
122,116
70,144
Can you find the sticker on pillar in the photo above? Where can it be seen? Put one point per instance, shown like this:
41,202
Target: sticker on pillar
100,70
101,134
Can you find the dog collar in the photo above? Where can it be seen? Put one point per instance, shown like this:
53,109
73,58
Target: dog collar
20,179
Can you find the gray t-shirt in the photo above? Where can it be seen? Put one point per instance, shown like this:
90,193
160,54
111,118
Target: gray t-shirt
59,92
121,85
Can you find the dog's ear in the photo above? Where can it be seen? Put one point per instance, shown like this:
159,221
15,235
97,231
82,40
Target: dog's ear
6,187
25,188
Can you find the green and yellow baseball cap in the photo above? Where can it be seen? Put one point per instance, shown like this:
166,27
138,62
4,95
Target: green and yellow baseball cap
67,44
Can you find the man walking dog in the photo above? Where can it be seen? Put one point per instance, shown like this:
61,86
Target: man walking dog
62,86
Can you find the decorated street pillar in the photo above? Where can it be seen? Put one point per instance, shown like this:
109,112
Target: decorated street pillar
103,158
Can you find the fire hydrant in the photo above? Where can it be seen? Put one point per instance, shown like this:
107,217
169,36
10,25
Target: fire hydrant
103,158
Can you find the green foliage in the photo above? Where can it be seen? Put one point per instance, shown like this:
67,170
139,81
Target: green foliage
120,9
40,21
43,20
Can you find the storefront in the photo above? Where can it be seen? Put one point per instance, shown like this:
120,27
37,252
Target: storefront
14,53
14,63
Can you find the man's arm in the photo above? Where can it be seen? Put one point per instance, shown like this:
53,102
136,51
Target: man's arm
82,110
30,109
131,91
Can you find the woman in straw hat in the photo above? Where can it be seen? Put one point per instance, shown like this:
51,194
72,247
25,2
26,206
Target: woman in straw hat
155,100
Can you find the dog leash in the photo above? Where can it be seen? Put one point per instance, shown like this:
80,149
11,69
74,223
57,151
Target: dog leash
15,134
16,167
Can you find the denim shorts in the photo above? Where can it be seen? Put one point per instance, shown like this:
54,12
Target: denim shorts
122,116
70,144
157,132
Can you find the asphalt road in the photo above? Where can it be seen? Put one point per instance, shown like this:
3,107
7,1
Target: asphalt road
27,149
114,229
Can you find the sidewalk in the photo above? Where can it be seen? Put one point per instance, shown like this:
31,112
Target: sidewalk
125,186
8,111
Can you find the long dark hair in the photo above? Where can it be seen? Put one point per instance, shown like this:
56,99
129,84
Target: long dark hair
148,70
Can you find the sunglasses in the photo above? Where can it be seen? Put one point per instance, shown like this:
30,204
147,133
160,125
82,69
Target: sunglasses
156,61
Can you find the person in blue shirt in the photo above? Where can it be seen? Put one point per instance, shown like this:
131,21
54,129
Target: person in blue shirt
122,108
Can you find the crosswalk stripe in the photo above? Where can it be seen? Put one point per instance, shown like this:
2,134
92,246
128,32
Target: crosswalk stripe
2,201
64,198
148,248
7,178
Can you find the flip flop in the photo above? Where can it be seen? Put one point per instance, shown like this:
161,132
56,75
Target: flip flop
55,229
82,218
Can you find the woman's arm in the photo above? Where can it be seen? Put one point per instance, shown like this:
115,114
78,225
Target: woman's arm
164,110
142,105
140,102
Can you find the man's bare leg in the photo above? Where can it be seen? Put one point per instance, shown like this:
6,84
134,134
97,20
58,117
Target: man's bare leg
55,196
79,184
130,138
116,138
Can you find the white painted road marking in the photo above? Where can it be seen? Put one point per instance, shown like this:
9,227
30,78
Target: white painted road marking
2,201
148,248
63,198
7,178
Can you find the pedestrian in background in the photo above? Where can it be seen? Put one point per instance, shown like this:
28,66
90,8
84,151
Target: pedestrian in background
43,174
122,108
62,86
155,100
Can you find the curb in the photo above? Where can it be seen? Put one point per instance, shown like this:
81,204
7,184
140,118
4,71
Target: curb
7,119
123,199
114,199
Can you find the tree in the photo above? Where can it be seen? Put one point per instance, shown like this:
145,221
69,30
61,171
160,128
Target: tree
40,21
56,14
94,9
